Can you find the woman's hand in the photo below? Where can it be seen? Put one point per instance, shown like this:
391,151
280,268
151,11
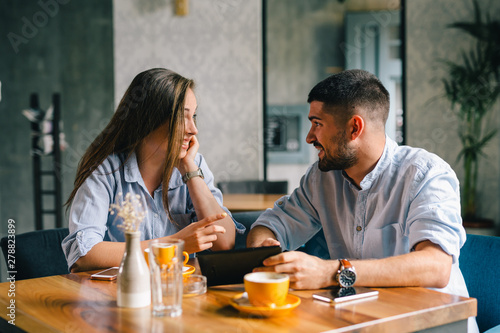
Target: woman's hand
200,236
187,164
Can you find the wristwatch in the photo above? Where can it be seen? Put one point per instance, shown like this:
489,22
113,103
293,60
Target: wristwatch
192,174
346,275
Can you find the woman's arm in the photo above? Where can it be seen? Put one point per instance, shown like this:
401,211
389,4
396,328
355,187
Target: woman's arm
205,205
102,255
197,236
204,202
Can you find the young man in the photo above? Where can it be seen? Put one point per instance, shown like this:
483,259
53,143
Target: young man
390,214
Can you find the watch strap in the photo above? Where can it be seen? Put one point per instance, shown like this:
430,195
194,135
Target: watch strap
344,264
192,174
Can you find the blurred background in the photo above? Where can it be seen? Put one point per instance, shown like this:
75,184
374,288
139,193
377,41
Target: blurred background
254,62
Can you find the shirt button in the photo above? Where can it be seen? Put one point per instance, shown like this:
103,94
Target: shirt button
280,203
156,216
358,228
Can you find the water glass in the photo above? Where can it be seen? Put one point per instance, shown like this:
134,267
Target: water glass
165,263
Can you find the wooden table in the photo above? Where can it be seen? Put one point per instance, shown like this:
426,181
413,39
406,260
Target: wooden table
74,303
248,202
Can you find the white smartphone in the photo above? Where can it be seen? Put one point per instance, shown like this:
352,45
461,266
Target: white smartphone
106,275
338,295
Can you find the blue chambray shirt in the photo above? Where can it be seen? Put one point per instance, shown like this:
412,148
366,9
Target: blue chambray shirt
90,221
411,195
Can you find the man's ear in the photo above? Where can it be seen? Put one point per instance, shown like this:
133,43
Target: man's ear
357,126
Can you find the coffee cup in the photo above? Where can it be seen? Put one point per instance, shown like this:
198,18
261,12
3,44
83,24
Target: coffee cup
267,289
166,255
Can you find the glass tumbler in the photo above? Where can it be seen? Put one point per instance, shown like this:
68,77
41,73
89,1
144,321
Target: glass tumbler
165,264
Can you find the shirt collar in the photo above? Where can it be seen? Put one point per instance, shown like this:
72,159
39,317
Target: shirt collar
175,179
133,175
381,165
131,169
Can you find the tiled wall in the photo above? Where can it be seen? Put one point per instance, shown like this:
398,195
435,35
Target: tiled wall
61,48
218,44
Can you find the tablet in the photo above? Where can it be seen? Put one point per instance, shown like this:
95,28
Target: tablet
229,267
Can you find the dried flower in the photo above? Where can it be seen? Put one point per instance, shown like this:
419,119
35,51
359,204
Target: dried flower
130,211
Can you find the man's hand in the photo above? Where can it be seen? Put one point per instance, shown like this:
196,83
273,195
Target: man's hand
305,271
261,236
269,242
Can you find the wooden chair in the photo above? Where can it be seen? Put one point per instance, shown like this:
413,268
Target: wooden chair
37,253
480,265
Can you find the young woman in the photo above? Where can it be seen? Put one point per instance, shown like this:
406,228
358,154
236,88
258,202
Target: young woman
148,149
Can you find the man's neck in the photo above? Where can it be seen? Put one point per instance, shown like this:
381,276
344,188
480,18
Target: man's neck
369,155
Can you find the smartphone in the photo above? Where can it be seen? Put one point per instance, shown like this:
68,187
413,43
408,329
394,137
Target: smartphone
338,294
106,275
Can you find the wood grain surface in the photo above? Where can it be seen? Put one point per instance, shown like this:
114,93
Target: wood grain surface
249,202
74,303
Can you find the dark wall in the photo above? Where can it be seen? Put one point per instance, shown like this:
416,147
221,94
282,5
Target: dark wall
50,46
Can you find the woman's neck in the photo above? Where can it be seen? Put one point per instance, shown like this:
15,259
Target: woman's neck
151,166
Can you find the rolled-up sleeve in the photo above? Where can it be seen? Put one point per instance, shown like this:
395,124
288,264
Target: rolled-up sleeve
293,219
88,216
434,212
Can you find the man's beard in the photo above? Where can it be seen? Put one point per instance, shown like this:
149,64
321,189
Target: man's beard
343,158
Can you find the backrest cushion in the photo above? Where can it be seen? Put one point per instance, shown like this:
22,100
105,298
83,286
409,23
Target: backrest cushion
480,265
37,253
247,219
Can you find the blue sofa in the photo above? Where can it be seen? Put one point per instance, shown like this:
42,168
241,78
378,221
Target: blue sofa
480,265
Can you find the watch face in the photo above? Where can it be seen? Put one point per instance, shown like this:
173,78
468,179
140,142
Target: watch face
347,278
342,292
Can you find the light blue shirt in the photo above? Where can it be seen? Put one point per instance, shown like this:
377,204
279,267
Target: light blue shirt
410,196
90,221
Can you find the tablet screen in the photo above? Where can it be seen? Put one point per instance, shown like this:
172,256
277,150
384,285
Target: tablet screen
229,267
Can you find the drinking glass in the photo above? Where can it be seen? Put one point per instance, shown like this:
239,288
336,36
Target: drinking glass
165,263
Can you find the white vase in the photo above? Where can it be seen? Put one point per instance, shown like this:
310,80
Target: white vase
134,289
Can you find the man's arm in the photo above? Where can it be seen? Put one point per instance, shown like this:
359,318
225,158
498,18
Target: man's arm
427,266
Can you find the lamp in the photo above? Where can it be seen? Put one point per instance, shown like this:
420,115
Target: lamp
181,7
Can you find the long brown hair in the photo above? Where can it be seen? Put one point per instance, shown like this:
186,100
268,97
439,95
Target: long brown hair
154,98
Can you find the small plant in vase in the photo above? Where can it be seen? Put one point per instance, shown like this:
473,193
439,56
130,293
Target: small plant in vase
133,289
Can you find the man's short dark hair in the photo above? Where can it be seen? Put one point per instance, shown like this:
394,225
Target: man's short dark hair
349,90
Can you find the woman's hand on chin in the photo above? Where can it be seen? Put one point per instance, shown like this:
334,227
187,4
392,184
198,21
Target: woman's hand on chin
186,163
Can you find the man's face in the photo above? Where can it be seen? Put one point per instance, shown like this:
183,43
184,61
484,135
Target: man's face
330,139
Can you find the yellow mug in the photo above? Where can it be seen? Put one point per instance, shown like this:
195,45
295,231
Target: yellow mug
267,289
164,254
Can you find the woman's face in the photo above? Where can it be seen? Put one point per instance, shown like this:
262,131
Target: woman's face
190,129
156,143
